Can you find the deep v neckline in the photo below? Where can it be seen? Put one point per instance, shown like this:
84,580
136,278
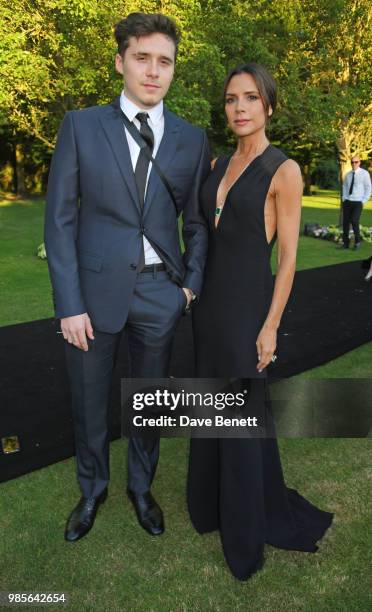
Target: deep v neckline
249,165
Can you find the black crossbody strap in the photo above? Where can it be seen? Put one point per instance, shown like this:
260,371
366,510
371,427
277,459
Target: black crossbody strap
135,133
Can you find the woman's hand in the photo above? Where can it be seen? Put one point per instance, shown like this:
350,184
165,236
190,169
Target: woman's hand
266,345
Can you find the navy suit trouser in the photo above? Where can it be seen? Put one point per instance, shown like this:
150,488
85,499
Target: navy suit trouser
154,312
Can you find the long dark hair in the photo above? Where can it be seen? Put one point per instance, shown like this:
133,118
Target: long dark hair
263,79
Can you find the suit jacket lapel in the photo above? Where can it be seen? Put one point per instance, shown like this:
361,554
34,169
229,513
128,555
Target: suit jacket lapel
115,134
164,156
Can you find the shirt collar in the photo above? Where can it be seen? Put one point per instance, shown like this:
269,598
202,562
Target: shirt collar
130,109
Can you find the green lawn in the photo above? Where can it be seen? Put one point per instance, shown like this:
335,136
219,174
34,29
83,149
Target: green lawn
324,208
118,566
25,293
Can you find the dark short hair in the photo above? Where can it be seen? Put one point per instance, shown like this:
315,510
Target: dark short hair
144,24
263,79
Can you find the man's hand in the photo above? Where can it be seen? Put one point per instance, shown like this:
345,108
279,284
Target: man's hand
189,295
76,329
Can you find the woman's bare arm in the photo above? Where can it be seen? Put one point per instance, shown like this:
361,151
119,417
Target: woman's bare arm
287,186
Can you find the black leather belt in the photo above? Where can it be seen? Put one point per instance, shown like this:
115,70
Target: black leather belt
156,267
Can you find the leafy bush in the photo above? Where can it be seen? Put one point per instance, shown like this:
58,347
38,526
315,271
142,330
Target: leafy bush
326,174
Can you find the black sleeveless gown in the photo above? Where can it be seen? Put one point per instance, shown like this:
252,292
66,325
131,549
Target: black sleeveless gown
236,485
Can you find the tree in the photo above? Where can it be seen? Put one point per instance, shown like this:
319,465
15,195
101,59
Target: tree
57,55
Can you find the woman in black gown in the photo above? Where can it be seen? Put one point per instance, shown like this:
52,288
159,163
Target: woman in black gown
250,198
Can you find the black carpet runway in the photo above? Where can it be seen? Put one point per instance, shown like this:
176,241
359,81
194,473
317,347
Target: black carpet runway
328,314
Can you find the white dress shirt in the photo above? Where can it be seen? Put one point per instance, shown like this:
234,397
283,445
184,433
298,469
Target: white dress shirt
361,188
156,123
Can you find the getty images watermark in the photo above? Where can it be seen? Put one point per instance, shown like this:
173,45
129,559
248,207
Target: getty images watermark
247,408
195,407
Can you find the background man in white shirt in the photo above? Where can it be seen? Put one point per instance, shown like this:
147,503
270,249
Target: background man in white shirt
356,191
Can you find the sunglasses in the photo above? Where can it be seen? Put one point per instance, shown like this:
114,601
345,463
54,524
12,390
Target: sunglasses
355,162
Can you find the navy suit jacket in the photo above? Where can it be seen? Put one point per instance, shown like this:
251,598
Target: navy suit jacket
94,224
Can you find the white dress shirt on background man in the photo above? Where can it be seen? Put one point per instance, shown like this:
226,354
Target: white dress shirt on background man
361,188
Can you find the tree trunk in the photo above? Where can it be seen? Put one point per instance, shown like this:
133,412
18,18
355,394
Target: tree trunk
20,173
307,179
14,166
344,147
344,144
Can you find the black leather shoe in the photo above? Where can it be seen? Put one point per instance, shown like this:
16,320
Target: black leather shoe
82,517
149,513
342,246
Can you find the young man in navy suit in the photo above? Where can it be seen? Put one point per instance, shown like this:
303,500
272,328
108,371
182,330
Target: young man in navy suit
114,256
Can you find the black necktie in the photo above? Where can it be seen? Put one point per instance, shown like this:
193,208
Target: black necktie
352,184
142,165
141,170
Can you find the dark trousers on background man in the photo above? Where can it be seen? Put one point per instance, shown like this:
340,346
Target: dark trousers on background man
351,212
